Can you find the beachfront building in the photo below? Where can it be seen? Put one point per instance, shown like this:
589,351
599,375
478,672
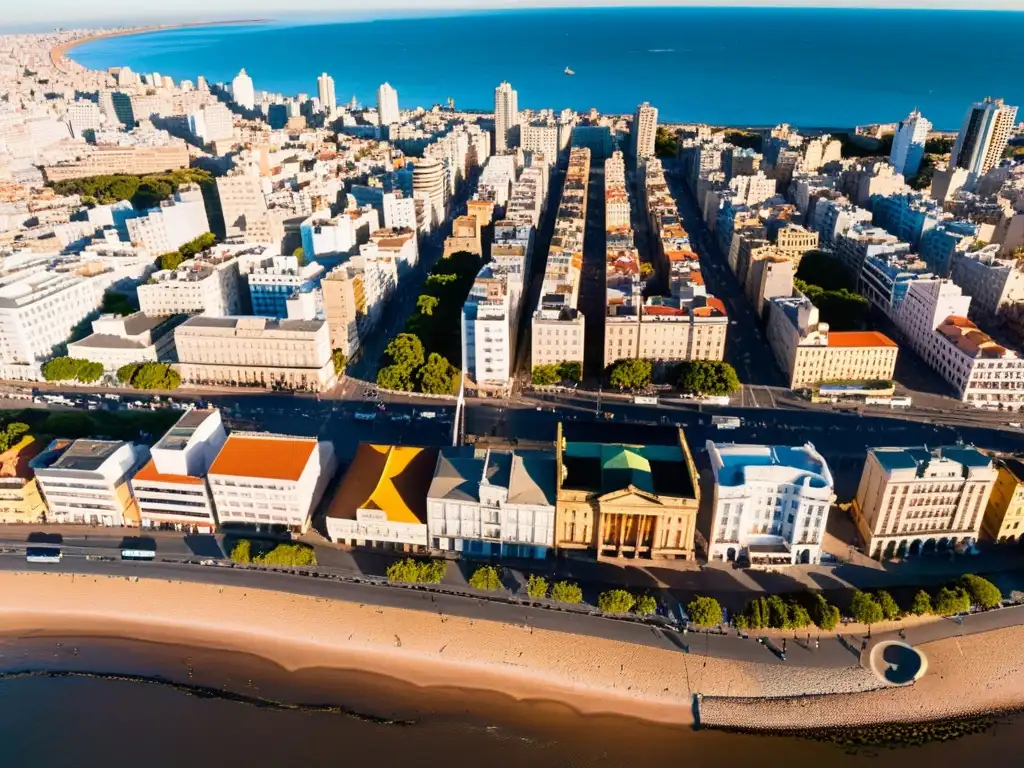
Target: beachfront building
914,500
171,488
20,500
242,91
622,500
270,482
85,482
986,130
1004,513
771,503
492,503
382,500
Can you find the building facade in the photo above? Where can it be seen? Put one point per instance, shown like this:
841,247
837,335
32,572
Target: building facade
1004,513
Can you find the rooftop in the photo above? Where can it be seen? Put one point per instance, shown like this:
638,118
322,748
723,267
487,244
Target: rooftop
84,455
267,456
391,478
859,339
177,437
737,463
151,474
919,458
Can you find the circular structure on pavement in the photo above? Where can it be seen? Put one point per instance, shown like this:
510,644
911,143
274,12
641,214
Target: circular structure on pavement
897,663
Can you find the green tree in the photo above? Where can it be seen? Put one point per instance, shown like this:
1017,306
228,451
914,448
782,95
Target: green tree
630,374
825,271
433,571
116,304
799,617
300,255
150,192
148,376
12,434
409,571
537,587
426,304
823,614
939,145
197,245
646,605
545,375
708,377
890,610
485,577
865,609
704,611
615,601
395,377
952,600
982,591
406,351
570,370
843,310
72,369
922,604
566,592
666,143
242,552
89,372
339,359
171,260
438,281
778,613
438,376
287,555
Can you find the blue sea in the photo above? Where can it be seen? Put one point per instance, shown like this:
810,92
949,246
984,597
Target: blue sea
727,66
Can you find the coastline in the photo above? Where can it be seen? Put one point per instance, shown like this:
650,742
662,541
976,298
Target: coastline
59,53
968,676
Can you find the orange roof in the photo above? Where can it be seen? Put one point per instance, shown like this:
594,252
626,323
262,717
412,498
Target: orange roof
859,339
276,458
681,255
149,473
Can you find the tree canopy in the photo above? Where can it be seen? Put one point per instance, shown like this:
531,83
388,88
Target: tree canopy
708,377
824,270
922,604
485,577
149,376
406,351
339,359
12,434
666,143
193,247
843,310
890,610
267,553
72,369
143,191
615,601
630,374
982,591
705,611
952,600
865,609
438,376
117,304
409,571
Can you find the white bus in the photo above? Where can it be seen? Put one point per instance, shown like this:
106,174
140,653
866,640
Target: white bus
43,554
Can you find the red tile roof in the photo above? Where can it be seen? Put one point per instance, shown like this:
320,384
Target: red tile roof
859,339
275,458
150,473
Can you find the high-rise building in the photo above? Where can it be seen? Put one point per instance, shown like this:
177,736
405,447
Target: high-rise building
325,89
242,91
506,115
908,144
645,127
387,105
983,136
429,177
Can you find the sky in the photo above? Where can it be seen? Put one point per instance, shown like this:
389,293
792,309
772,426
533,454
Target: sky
46,14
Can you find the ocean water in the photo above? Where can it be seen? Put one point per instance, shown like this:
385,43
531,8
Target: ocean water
728,66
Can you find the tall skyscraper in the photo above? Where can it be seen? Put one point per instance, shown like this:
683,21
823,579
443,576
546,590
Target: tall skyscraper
983,136
325,89
908,144
506,115
242,91
387,105
645,127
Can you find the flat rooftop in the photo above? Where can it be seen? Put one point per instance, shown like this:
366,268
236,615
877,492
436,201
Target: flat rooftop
263,456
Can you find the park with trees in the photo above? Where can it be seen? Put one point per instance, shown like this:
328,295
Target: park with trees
822,279
72,369
708,377
193,247
142,191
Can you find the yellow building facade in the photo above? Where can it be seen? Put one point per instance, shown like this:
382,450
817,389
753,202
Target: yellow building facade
1004,513
20,500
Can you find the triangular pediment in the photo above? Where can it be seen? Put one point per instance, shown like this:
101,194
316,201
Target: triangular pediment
629,492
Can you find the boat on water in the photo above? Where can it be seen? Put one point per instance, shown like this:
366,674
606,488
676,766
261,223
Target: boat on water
569,71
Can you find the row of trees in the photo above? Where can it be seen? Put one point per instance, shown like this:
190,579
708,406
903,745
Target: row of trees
427,356
149,376
193,247
411,571
259,553
822,279
555,373
775,612
705,377
72,369
958,597
143,191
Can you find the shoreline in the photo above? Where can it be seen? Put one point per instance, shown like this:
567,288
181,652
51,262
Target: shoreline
969,676
59,53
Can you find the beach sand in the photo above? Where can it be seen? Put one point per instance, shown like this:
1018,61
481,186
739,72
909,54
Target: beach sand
592,675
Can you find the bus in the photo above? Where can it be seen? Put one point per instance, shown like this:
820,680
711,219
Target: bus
138,548
43,554
138,554
645,400
726,422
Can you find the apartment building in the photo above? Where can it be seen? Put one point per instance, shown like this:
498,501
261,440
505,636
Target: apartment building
862,240
271,279
399,245
771,503
908,144
793,241
885,279
345,307
85,482
914,500
171,224
210,283
102,160
490,319
121,340
942,242
20,500
832,218
255,351
382,500
992,282
643,132
171,487
496,180
269,481
809,353
770,274
465,236
506,117
540,138
933,320
492,503
622,500
1004,514
329,239
907,216
243,202
986,130
529,195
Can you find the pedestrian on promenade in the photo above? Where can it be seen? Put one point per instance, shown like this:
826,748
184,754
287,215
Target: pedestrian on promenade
817,642
783,646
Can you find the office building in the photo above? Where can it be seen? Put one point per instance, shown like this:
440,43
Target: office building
345,307
387,105
492,503
622,500
382,500
506,117
329,239
325,90
108,159
771,503
643,132
171,487
209,283
983,137
541,138
242,91
908,144
917,500
1004,514
255,351
85,482
270,482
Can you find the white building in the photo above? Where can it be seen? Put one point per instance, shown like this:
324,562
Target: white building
492,503
116,341
86,481
496,180
243,201
542,138
242,91
399,212
84,115
387,105
325,90
771,503
643,131
490,318
171,224
212,122
329,238
506,116
171,488
267,481
908,144
429,179
209,283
